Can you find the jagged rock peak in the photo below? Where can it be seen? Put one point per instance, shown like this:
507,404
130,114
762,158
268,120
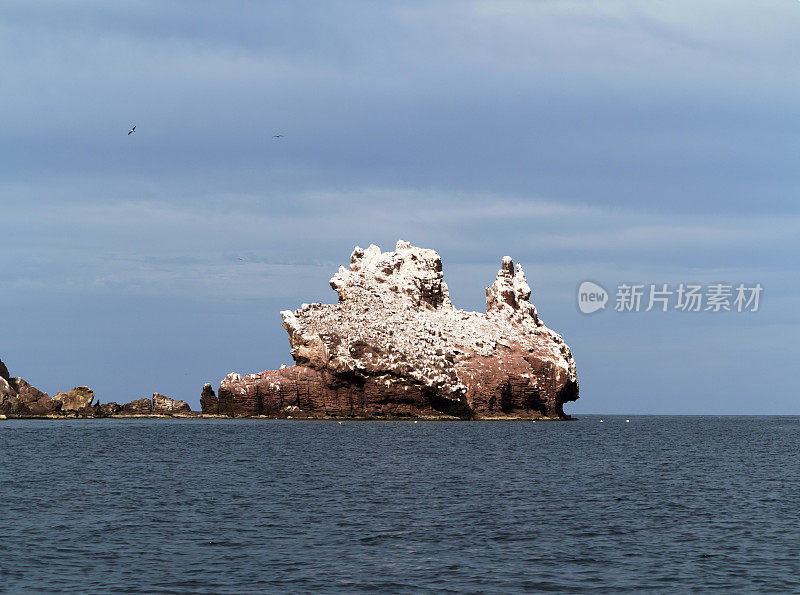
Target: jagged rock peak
510,293
6,389
208,399
409,273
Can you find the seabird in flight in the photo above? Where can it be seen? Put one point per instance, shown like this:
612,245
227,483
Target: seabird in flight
131,130
278,136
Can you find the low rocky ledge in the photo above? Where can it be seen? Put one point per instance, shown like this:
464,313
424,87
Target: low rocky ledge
18,399
394,346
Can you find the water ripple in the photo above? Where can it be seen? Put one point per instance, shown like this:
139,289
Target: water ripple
666,504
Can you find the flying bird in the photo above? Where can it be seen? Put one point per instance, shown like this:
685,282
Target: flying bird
131,130
278,136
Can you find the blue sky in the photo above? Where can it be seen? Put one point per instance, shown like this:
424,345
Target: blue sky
637,142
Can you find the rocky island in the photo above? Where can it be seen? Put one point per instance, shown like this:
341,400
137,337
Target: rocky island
394,346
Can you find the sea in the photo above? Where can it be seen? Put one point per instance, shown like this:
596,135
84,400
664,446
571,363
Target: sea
609,504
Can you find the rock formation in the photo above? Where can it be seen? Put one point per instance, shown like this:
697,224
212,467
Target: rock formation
138,406
20,399
208,400
157,405
77,399
165,405
394,345
108,409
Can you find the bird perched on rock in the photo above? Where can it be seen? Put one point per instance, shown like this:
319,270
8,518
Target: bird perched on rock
131,130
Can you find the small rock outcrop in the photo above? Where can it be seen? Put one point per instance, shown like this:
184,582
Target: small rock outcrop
394,345
209,403
158,405
138,406
166,405
77,399
108,409
20,399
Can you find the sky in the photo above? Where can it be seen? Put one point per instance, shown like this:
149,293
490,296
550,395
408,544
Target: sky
619,142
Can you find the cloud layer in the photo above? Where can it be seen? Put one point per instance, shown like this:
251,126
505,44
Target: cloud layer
612,141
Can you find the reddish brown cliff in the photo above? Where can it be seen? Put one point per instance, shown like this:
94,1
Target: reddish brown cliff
394,345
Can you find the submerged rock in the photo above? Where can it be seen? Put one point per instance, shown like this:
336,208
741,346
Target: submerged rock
394,345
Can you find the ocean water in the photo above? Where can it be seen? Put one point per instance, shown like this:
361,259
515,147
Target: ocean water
666,504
